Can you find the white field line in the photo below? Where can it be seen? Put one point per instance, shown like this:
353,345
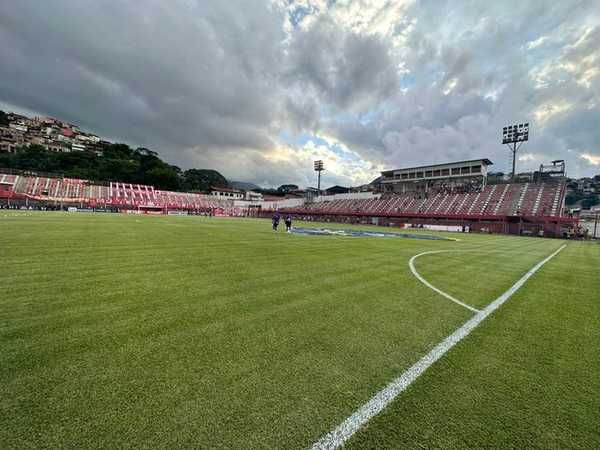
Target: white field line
411,264
383,398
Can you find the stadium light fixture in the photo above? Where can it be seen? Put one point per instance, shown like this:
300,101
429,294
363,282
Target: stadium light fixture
514,136
319,168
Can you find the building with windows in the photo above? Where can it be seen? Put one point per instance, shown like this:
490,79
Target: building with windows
253,196
227,193
461,176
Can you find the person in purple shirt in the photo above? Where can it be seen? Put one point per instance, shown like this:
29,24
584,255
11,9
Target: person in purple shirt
275,221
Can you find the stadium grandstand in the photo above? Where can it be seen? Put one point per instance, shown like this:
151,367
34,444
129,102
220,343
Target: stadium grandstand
457,194
55,192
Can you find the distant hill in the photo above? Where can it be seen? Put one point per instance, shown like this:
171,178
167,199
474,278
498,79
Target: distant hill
244,186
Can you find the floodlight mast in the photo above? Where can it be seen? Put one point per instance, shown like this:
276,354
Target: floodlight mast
318,165
515,134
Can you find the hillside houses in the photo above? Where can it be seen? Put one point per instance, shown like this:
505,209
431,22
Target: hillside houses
47,132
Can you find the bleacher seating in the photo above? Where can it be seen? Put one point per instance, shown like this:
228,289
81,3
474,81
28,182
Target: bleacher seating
71,190
493,200
8,179
132,194
528,199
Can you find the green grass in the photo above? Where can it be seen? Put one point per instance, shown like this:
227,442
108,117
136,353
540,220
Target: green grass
188,332
529,377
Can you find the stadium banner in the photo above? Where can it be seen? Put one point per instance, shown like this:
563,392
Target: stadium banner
455,228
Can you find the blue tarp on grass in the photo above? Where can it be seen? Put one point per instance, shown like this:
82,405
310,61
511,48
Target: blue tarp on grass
360,233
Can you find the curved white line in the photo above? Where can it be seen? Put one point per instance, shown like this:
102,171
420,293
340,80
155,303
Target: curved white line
344,431
411,264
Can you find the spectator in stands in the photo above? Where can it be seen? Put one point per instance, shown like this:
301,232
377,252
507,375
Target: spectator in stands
288,223
275,221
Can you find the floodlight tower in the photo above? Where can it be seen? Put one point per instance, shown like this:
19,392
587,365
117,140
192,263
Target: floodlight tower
319,168
515,135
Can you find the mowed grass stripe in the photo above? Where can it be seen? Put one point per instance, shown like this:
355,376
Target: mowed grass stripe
339,436
157,266
527,378
194,332
259,333
489,271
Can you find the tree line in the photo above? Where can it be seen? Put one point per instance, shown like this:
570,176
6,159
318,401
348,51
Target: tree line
3,119
118,162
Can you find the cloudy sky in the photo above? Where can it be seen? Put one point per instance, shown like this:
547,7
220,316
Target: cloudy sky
260,89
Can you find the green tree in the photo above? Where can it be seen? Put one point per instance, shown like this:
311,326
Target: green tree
117,151
571,199
165,178
201,180
3,119
287,188
117,163
590,201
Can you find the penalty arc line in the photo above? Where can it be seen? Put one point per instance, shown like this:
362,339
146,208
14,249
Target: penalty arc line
411,264
383,398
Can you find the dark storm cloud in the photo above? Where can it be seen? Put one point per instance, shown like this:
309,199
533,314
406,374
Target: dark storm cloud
474,70
217,84
158,73
346,69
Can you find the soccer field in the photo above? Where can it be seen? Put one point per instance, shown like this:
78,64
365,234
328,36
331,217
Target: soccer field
189,332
